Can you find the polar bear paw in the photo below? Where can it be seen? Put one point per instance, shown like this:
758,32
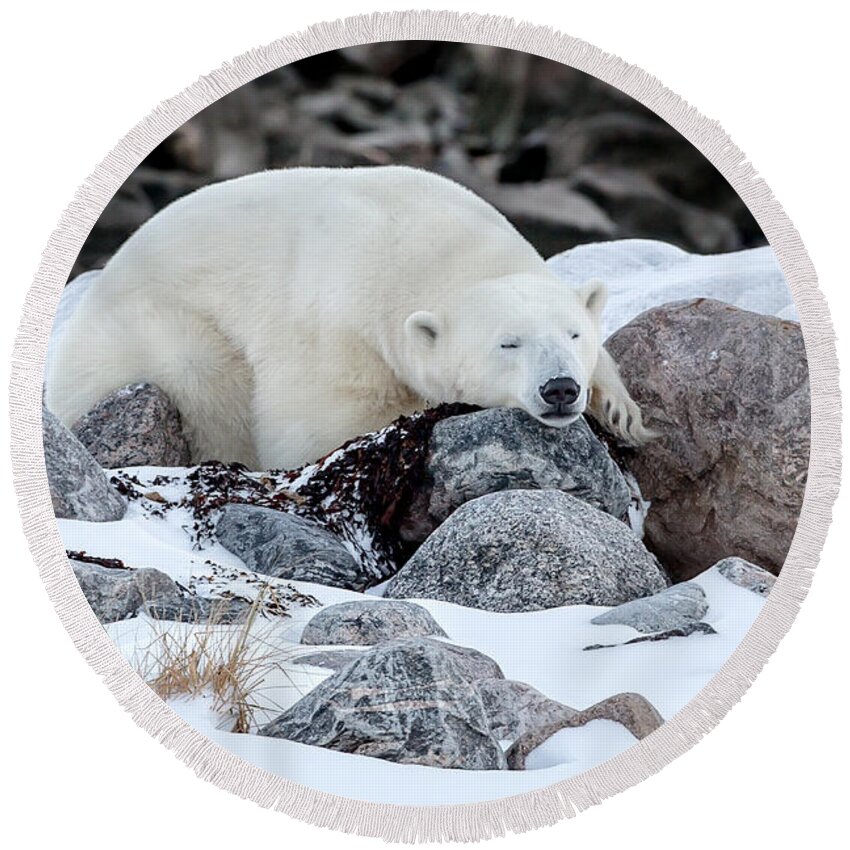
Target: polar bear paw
621,417
612,406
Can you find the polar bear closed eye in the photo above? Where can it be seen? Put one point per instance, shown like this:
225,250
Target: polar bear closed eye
288,311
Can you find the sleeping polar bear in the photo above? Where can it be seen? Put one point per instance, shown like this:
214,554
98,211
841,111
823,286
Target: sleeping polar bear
287,311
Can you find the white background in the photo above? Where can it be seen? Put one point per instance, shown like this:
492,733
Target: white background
77,76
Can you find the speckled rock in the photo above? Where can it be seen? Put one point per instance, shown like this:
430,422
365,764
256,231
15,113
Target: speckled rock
136,425
746,575
686,630
406,701
474,665
330,659
515,708
287,546
118,594
506,449
366,623
675,607
79,488
633,711
526,550
729,391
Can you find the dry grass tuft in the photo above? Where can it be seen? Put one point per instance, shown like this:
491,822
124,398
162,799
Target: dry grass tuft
228,663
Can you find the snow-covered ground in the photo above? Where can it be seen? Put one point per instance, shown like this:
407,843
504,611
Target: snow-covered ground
543,649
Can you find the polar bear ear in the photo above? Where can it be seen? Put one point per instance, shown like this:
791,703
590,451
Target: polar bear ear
423,328
594,294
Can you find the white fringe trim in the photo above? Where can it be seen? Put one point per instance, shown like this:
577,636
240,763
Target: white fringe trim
468,822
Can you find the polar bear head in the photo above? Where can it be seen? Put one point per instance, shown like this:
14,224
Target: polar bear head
528,341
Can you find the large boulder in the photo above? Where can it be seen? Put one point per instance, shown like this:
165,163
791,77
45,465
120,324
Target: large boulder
406,701
79,488
507,449
729,392
283,545
136,425
526,550
366,623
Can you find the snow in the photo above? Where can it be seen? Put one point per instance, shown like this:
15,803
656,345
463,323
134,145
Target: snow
642,273
544,649
541,648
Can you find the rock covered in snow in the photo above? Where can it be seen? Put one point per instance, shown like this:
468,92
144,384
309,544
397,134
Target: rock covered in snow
406,701
676,607
117,594
525,550
283,545
136,425
746,575
644,273
79,488
506,449
728,390
685,630
633,711
366,623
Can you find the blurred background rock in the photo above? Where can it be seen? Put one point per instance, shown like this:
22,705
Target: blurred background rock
567,158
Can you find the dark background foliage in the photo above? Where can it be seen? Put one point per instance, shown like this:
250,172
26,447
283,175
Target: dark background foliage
566,157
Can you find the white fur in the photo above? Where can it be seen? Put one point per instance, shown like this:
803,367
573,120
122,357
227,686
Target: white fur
287,311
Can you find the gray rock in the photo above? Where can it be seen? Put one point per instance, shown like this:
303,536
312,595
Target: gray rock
474,665
367,623
406,701
633,711
514,708
729,392
506,449
685,630
136,425
330,659
118,594
641,207
196,609
746,575
547,212
679,606
79,488
525,550
287,546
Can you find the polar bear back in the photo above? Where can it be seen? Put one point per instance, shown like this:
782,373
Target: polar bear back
341,233
301,274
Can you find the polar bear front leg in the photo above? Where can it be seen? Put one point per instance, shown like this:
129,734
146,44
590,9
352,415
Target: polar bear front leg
301,415
613,407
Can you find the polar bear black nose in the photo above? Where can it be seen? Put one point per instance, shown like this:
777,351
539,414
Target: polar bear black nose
560,391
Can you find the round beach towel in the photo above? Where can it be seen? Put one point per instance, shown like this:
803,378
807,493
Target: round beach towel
416,421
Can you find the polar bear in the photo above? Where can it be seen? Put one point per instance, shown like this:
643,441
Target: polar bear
287,311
